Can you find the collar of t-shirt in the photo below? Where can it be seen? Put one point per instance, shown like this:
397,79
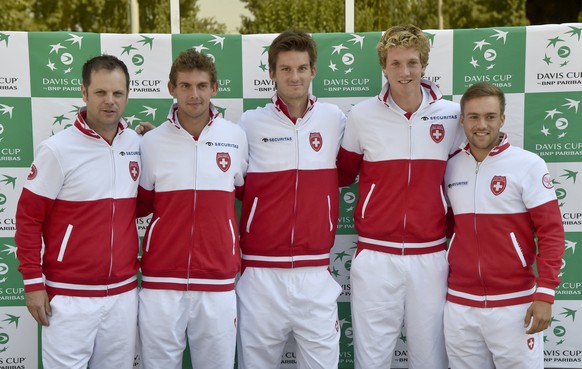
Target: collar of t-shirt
283,107
407,114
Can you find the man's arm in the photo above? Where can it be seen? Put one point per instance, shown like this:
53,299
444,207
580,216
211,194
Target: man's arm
547,223
350,155
34,207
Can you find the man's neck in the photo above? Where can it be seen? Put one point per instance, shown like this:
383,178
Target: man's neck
296,107
107,132
193,126
408,102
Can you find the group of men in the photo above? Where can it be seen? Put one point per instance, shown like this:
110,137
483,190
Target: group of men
285,162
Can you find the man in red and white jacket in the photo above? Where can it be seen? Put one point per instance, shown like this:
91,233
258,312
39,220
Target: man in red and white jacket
191,253
289,217
80,199
502,199
399,143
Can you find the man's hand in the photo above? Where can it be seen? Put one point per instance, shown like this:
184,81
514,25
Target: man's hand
38,305
144,127
541,313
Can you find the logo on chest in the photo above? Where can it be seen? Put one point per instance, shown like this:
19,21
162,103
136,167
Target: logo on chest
315,140
437,132
223,161
498,184
134,170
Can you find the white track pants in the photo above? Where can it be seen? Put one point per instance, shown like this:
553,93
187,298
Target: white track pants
488,338
99,331
275,303
207,319
389,291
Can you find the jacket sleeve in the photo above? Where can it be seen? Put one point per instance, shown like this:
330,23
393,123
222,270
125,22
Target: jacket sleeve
549,230
350,154
34,208
146,189
540,198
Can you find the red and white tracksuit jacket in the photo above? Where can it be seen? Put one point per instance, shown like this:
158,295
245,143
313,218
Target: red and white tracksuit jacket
501,205
290,203
192,240
401,162
80,199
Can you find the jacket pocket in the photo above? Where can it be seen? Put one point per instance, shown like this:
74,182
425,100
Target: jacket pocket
329,213
233,236
147,246
367,200
450,246
65,242
517,248
252,214
444,199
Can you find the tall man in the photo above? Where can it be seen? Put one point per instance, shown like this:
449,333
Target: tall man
399,143
289,217
191,254
502,198
80,199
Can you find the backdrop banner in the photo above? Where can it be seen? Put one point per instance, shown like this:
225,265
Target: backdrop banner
538,67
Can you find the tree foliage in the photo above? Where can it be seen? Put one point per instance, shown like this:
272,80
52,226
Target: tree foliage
271,16
102,16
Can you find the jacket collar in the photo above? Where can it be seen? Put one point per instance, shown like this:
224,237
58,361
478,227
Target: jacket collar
81,125
282,107
428,87
173,115
501,146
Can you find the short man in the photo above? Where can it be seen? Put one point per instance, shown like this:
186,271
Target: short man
289,217
80,199
399,143
502,198
191,254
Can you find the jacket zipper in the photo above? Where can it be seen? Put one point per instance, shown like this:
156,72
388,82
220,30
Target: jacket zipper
409,176
296,133
476,233
112,155
194,203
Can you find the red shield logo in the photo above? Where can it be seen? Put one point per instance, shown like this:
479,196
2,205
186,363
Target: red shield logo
498,184
315,141
530,343
32,174
134,170
437,132
223,160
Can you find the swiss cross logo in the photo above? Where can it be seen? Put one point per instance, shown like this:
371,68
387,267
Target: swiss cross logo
223,160
498,184
315,141
530,343
437,132
32,173
134,170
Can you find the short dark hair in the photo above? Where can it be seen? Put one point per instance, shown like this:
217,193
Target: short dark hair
483,89
190,60
292,40
108,62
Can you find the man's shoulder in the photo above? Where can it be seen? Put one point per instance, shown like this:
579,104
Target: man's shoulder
229,127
